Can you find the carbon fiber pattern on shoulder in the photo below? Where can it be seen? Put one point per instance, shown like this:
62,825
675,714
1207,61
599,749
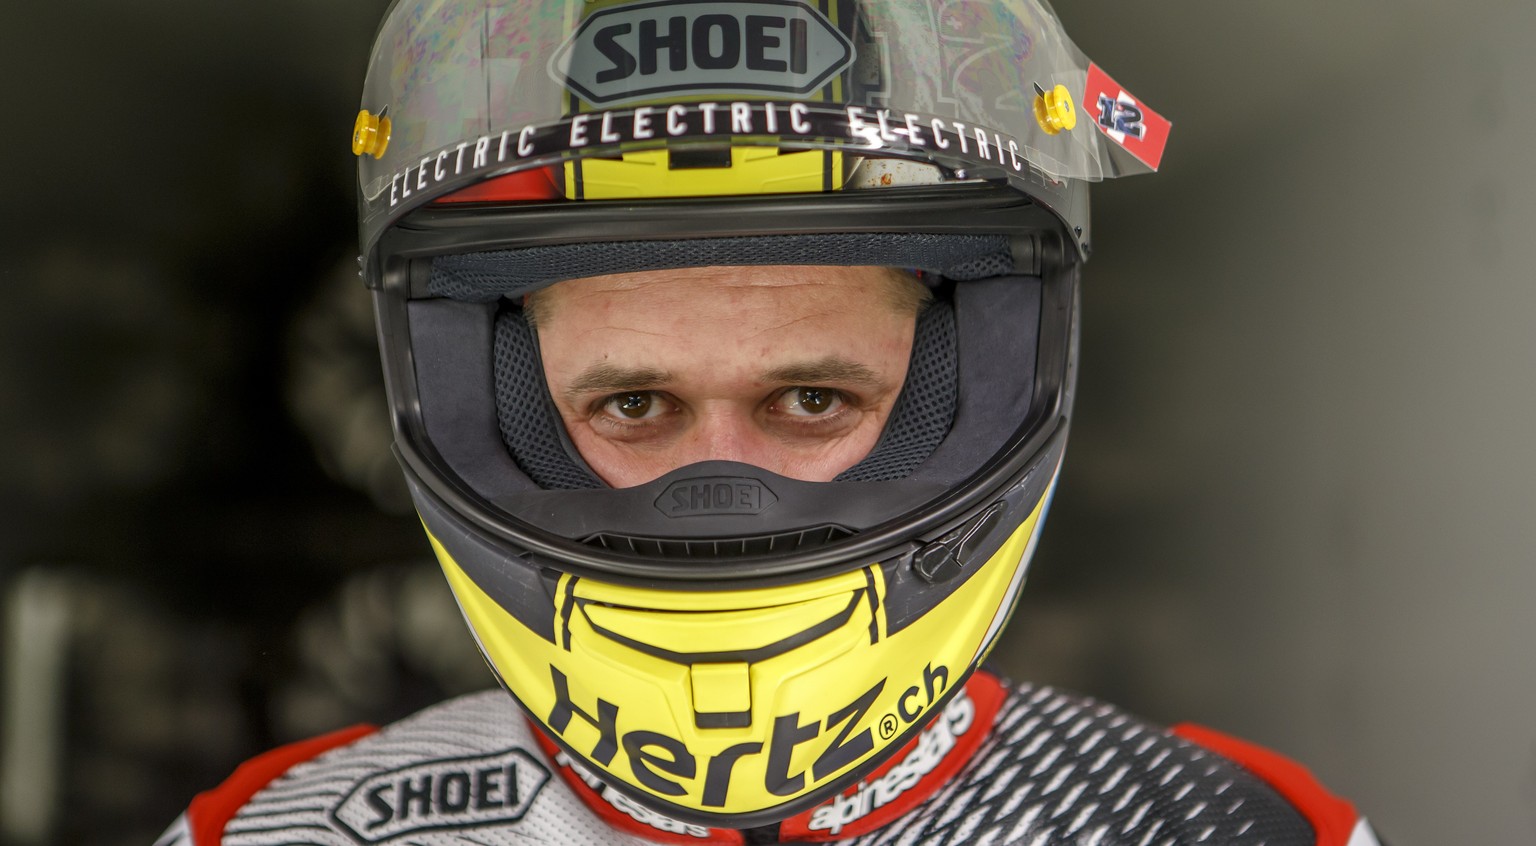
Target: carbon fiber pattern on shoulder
1062,770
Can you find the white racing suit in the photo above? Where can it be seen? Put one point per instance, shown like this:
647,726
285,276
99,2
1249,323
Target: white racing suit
1002,764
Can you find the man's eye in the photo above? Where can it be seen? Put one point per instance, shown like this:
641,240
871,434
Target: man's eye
637,405
809,402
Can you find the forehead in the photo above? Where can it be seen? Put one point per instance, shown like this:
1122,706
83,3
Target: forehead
729,301
776,284
723,317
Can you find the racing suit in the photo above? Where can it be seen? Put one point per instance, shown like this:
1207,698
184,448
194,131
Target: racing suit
1001,764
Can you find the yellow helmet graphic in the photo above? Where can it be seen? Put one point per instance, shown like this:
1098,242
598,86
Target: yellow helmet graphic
724,644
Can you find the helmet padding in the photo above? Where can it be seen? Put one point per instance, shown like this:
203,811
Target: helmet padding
491,275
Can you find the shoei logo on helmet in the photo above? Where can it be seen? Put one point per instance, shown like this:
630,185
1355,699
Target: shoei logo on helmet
647,49
715,495
456,793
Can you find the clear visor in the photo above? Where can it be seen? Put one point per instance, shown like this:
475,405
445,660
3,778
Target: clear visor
460,90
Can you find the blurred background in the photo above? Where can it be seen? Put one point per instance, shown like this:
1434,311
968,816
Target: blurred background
1300,505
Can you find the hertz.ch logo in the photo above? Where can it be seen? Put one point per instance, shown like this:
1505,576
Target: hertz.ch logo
664,765
455,793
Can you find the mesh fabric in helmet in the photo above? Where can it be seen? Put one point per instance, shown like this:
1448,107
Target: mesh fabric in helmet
926,407
529,424
982,267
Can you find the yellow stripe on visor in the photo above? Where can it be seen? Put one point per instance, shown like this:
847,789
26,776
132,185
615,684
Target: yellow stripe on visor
704,172
716,704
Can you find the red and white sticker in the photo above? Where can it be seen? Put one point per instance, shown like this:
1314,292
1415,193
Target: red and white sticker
1126,120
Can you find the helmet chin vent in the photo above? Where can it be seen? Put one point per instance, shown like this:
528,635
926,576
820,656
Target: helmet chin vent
720,548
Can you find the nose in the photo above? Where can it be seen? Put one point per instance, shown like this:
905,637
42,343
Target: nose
729,434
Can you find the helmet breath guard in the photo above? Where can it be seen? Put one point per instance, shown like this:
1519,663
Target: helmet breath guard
723,644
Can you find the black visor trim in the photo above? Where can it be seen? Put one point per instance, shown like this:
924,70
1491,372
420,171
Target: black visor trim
488,276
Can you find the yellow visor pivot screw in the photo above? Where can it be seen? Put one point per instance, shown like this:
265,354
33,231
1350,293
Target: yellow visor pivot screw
1054,109
370,135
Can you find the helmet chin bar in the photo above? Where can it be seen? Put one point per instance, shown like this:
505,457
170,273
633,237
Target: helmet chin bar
524,618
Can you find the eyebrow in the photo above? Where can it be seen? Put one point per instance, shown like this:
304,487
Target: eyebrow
832,369
611,378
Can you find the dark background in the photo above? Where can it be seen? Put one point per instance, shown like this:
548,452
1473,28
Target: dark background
1299,505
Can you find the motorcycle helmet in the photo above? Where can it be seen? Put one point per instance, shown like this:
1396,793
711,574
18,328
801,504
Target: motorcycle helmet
725,645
